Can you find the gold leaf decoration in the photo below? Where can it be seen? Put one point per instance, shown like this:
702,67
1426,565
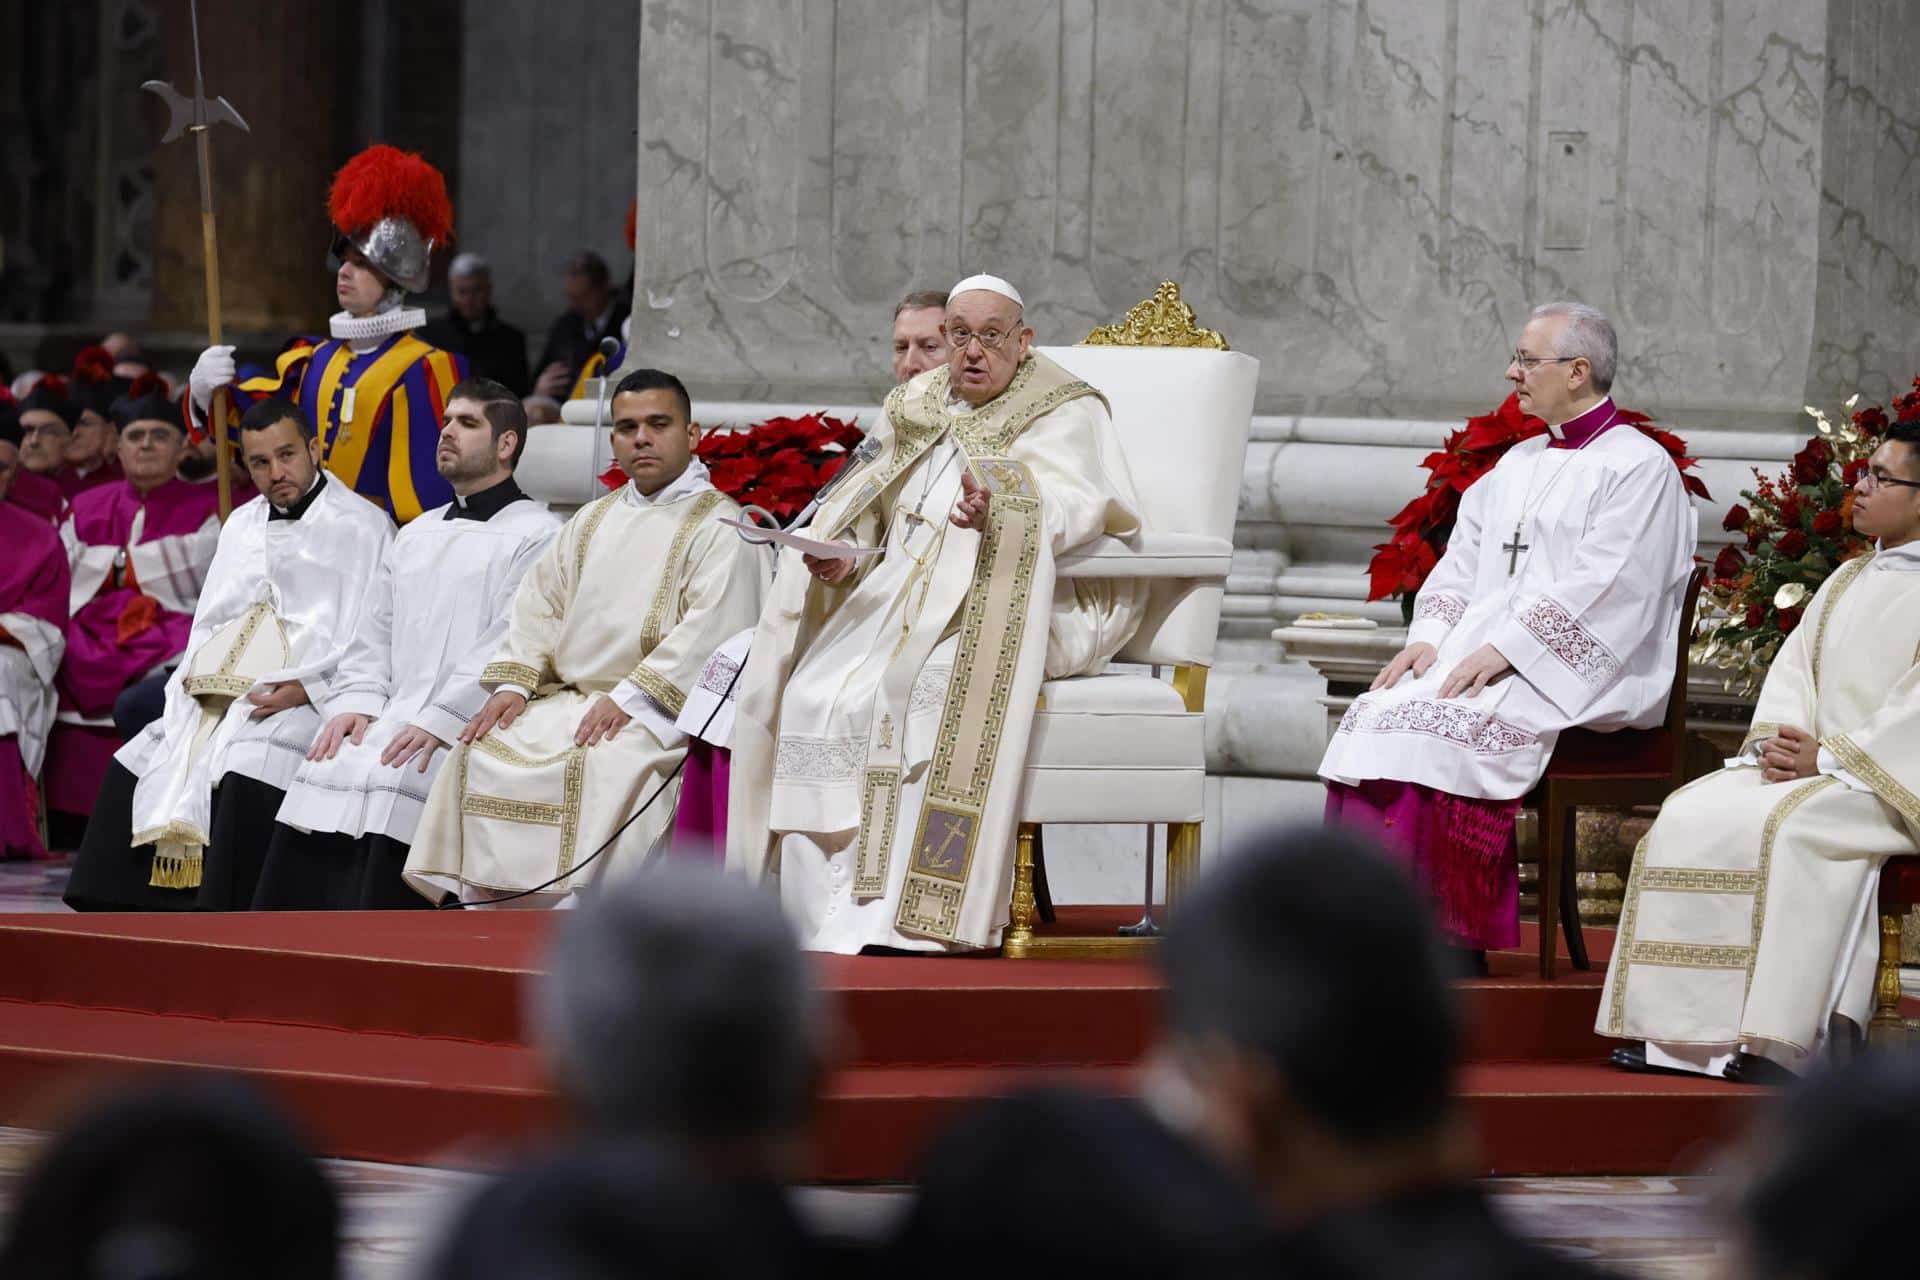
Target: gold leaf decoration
1163,320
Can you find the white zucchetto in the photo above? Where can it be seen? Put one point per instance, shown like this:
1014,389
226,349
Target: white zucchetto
992,284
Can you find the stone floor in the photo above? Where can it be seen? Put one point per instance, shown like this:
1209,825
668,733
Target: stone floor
1657,1227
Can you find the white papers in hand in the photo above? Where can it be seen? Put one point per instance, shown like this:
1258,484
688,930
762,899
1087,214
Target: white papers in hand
806,546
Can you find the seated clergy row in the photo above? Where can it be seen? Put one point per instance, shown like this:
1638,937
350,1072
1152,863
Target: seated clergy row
491,707
1747,937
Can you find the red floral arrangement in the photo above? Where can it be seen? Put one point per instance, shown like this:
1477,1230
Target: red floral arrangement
778,464
1796,529
1420,532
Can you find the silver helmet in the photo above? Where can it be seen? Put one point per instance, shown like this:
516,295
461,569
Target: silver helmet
394,247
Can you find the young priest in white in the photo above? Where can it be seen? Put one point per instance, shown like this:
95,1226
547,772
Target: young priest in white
410,679
609,630
187,810
1555,605
1749,922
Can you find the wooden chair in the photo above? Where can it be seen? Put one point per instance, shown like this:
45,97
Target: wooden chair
1899,893
1620,770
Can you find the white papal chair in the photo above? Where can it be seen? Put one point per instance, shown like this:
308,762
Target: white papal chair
1124,747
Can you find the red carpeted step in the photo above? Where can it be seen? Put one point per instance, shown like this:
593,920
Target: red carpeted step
397,1098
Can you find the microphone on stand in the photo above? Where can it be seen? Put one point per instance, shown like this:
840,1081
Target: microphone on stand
609,347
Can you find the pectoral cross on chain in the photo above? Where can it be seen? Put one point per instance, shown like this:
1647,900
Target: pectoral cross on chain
1513,550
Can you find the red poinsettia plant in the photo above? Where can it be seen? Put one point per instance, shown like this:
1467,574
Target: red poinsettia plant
1420,532
778,464
1795,529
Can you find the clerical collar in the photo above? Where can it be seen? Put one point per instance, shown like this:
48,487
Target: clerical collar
487,503
1577,433
1904,558
298,508
688,482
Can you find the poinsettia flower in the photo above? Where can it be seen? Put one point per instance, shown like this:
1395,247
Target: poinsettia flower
613,477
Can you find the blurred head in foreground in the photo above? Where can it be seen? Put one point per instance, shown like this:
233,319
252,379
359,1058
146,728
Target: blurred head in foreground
1311,1035
170,1181
1831,1196
680,1009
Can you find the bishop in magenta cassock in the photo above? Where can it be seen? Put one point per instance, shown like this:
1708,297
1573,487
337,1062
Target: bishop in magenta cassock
33,622
138,550
1555,605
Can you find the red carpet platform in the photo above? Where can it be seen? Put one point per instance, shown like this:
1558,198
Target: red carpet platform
397,1036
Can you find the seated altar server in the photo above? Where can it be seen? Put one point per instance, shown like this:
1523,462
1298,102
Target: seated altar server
609,630
186,811
1555,605
1749,922
979,474
410,679
138,549
33,625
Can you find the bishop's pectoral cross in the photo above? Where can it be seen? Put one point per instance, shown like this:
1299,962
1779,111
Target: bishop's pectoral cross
1513,550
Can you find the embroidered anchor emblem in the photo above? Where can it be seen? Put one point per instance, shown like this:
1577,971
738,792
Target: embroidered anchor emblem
942,861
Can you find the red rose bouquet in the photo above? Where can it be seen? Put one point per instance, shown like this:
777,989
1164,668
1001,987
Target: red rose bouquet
1796,528
778,464
1420,532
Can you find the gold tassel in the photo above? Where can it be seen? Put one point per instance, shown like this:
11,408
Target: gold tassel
176,866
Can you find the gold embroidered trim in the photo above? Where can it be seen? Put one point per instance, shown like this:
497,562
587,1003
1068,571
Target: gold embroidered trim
1690,955
659,688
217,686
663,594
879,816
1885,785
1760,732
222,682
1697,880
590,517
572,787
1842,579
510,673
1775,820
1629,919
1000,597
528,811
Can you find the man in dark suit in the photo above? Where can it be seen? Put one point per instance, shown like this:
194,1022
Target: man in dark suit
493,348
595,310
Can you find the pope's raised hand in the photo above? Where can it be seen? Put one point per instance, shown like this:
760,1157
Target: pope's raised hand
502,709
335,734
970,512
1416,657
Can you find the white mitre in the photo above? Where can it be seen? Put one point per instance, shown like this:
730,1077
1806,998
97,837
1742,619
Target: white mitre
992,284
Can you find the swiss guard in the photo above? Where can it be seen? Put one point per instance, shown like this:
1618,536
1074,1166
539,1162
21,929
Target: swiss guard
375,392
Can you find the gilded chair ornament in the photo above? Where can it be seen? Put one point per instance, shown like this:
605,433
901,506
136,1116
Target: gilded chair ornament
1163,320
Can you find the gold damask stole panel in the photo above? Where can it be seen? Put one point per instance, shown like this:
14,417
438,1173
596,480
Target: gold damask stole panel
1164,320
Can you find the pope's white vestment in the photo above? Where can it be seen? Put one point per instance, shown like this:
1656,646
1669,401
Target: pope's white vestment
1573,563
881,722
308,577
628,601
1749,919
437,612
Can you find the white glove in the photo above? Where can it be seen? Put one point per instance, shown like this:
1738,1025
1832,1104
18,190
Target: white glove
213,370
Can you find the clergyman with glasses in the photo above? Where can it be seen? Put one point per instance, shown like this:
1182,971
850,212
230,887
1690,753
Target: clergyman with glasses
1748,944
883,713
1556,604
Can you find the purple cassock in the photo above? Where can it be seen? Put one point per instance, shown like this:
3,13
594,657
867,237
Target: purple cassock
33,615
138,561
39,494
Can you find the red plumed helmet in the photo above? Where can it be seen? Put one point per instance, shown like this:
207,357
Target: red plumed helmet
392,206
145,385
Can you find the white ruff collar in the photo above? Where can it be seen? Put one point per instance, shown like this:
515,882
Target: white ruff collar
689,482
381,324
